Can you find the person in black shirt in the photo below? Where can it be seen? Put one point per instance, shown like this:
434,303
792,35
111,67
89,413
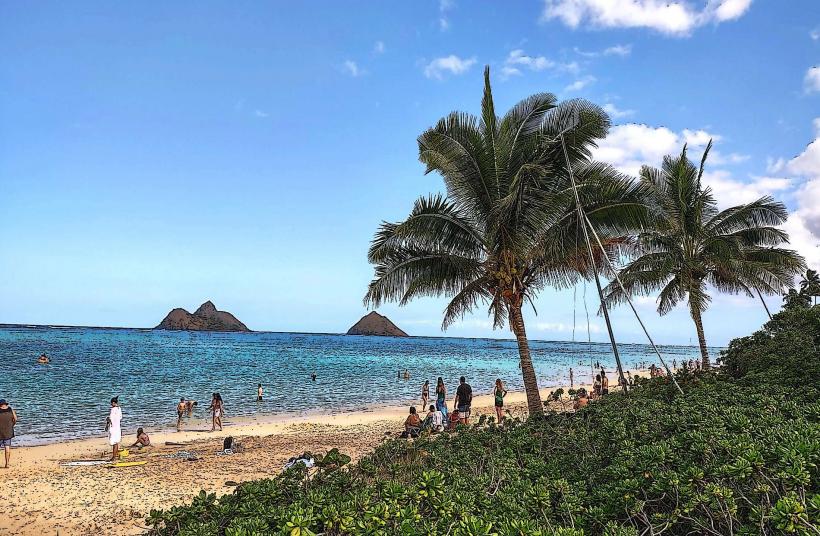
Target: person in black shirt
464,398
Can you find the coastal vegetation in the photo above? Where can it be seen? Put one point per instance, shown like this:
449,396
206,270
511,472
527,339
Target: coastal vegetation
508,225
737,454
690,247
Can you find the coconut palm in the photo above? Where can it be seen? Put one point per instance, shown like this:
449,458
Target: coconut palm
507,226
810,284
691,245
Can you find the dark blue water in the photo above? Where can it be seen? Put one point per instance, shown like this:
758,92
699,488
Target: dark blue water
151,370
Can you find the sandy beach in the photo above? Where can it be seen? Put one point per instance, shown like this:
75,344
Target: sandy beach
43,497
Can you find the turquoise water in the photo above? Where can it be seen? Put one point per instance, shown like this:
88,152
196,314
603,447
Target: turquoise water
151,370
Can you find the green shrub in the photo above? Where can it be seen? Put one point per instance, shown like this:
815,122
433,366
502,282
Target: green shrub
737,453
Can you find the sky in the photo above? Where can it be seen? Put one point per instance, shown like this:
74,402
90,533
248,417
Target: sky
157,155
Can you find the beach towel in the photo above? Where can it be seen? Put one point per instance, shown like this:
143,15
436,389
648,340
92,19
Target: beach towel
307,462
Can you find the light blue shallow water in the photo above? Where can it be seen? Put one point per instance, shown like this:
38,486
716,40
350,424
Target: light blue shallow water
151,370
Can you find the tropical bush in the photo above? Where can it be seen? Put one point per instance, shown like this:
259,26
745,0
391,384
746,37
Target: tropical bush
737,454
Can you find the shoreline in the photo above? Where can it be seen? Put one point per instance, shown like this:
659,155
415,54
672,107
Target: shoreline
42,496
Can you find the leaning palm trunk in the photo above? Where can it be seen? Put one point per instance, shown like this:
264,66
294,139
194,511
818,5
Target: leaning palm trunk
534,405
704,352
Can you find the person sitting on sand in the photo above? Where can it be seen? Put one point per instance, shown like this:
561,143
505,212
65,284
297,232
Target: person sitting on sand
453,420
181,407
43,360
412,425
434,420
113,425
8,418
582,399
142,439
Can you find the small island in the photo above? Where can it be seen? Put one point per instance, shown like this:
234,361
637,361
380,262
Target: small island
375,324
206,318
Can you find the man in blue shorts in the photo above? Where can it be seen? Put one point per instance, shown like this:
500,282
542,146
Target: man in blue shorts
464,398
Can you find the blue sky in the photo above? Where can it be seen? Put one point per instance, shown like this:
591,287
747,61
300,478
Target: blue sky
154,156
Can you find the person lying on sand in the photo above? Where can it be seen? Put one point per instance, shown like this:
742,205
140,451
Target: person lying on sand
142,439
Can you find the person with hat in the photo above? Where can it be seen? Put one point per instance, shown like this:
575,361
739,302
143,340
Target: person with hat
113,427
8,418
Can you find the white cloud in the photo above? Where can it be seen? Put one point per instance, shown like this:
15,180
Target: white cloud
518,60
352,68
448,64
815,34
812,80
260,113
443,22
580,84
378,48
816,124
615,113
804,223
561,327
673,18
615,50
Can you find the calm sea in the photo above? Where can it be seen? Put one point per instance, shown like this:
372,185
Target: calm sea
151,370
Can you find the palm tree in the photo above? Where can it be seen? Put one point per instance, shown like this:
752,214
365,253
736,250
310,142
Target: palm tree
507,226
691,246
810,285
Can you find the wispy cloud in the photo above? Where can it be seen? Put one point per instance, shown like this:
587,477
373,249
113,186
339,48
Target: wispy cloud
378,47
260,113
581,83
616,113
451,64
518,60
812,80
352,68
615,50
815,34
443,7
678,18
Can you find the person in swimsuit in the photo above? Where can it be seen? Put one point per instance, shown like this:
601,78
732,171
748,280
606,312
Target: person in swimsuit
216,412
189,406
259,393
8,418
113,424
425,393
499,393
43,359
181,408
441,397
596,386
313,377
142,439
604,383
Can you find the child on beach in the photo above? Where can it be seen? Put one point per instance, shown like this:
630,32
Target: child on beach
453,420
181,408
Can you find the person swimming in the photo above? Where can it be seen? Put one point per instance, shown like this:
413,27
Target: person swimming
43,359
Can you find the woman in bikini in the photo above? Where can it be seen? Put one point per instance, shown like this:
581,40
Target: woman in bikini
499,393
216,412
425,393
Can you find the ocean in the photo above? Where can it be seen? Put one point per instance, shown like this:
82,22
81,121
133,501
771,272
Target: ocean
150,370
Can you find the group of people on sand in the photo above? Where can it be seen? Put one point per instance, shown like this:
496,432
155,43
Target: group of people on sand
438,418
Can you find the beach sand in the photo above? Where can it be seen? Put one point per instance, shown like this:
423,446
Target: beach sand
41,496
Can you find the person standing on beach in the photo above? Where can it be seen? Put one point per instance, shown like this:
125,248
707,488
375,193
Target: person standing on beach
216,412
441,397
259,393
464,398
571,379
596,386
8,418
604,383
425,393
500,393
113,425
181,408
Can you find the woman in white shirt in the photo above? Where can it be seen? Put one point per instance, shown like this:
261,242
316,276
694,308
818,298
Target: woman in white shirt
113,426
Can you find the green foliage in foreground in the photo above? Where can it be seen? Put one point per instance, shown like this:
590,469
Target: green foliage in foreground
730,456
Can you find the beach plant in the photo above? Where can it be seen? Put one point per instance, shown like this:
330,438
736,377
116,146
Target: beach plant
692,247
507,226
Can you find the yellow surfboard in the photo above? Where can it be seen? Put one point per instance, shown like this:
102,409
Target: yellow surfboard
128,464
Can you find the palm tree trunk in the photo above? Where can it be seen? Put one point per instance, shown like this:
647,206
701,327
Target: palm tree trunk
759,295
704,352
534,404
